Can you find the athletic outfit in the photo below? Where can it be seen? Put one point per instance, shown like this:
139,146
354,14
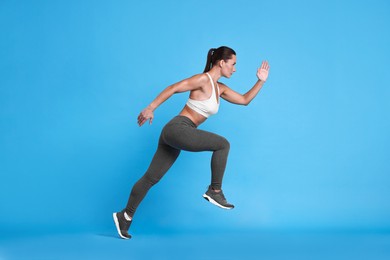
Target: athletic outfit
182,134
206,107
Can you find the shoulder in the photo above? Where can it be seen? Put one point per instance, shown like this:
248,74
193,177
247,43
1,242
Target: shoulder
195,82
200,79
222,86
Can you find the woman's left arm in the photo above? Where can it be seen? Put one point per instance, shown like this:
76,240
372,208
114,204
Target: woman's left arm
232,96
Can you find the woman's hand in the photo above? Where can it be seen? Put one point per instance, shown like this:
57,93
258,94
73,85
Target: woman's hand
145,115
262,72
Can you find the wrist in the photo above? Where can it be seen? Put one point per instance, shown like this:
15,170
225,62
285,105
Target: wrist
150,107
261,81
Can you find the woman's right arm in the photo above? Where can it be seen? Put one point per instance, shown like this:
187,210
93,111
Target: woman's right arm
193,83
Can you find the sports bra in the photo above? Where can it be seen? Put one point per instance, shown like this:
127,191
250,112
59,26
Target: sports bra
206,107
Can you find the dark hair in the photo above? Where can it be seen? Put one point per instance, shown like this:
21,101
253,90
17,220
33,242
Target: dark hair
215,55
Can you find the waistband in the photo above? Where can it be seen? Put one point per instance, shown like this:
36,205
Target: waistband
182,120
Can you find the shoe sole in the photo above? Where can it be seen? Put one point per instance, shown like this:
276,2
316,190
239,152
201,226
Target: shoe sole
209,199
115,217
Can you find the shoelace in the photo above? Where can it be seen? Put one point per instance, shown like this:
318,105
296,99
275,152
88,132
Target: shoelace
222,195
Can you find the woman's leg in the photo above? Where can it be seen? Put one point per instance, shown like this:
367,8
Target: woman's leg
195,140
163,159
180,134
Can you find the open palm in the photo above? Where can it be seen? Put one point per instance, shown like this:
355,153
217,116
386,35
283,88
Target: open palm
262,72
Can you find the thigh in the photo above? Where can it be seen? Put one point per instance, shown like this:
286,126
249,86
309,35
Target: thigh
162,160
194,140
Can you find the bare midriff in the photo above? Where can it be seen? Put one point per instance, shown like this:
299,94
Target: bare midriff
194,116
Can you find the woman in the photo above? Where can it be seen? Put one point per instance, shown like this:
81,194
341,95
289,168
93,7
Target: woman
181,132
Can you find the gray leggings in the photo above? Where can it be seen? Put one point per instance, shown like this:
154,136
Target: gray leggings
180,134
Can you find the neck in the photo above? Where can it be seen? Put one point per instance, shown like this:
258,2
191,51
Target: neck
215,73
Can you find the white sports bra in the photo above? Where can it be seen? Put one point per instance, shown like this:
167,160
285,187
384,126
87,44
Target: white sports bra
206,107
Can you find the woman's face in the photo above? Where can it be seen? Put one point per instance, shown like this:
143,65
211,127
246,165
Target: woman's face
229,67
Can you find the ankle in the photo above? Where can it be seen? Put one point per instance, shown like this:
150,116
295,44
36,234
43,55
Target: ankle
215,189
127,217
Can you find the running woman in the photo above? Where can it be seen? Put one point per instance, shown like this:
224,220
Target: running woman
182,133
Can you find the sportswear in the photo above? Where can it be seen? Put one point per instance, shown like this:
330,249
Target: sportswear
180,134
217,198
122,225
206,107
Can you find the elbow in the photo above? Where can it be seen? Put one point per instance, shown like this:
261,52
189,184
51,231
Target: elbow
173,90
245,102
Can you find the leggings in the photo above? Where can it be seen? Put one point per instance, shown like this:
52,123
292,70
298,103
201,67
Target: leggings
180,134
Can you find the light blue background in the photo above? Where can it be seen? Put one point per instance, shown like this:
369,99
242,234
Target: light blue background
310,152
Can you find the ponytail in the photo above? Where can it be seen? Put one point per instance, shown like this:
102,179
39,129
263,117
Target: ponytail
208,62
215,55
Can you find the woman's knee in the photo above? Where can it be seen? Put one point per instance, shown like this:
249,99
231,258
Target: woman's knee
151,180
225,145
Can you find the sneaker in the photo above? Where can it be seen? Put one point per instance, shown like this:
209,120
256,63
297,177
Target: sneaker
122,225
217,198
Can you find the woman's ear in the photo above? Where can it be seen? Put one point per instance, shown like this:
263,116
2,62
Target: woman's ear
221,62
